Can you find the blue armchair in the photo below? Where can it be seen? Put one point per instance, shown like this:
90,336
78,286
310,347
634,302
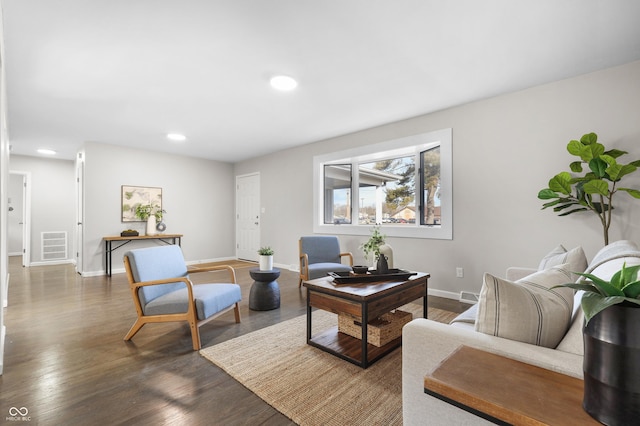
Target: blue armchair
162,291
320,254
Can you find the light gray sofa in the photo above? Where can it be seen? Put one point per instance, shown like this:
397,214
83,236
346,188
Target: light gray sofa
426,343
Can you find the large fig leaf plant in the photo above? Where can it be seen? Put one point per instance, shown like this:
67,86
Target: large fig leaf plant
595,189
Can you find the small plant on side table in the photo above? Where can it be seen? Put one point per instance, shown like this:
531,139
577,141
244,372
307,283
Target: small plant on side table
266,258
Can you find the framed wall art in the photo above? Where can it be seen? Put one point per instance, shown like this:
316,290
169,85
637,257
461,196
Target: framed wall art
133,196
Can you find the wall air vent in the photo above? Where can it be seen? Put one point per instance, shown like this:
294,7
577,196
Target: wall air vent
54,245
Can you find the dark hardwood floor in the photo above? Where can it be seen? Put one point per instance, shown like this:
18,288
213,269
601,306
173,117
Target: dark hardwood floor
65,360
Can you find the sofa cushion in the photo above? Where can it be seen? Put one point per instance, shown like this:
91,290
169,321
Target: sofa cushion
527,310
575,258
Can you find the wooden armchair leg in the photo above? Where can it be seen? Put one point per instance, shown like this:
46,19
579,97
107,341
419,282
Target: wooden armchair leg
236,311
195,336
134,329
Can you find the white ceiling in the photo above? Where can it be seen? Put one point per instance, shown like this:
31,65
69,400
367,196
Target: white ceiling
126,72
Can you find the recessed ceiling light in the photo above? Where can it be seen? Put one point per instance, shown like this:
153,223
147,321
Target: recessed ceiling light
283,82
46,151
176,137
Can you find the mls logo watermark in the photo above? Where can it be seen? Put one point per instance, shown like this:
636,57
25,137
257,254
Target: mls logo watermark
18,415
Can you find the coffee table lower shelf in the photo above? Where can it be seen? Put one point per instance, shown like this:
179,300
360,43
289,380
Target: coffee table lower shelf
350,348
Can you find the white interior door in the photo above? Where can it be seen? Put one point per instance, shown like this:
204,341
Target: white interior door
19,218
248,216
79,210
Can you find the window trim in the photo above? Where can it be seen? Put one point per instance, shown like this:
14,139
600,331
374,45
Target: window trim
416,143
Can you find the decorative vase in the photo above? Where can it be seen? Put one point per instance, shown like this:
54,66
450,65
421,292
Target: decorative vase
382,267
151,225
266,263
611,369
387,250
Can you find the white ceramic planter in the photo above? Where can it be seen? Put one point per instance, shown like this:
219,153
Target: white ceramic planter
266,263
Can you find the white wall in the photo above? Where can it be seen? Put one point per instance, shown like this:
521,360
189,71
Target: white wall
505,149
52,201
198,196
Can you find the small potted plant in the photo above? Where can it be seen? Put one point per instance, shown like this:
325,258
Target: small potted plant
152,214
376,245
611,341
266,258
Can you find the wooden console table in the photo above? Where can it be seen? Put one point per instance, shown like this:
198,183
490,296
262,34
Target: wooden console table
108,244
506,391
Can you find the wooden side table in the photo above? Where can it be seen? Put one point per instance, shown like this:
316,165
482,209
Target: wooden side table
506,391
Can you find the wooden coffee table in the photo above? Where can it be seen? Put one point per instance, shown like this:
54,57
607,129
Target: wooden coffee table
363,302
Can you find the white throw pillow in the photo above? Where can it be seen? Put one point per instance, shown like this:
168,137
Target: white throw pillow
575,258
527,310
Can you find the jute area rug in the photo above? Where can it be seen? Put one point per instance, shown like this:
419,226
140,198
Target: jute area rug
312,387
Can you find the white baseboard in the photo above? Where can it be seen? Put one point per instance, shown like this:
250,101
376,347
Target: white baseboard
442,293
53,262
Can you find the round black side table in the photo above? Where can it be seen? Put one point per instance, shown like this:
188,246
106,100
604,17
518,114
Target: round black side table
265,291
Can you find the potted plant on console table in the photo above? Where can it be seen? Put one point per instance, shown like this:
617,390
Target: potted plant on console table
611,345
152,214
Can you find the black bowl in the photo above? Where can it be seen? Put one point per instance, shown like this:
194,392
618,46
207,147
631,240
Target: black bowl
359,269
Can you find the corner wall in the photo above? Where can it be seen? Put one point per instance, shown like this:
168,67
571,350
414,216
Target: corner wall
505,149
198,196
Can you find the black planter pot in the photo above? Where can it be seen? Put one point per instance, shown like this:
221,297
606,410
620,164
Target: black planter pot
612,365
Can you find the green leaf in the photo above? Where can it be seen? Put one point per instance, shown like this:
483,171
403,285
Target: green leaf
589,139
632,290
629,274
551,203
613,171
598,167
603,286
579,286
561,183
616,279
635,163
633,192
615,153
576,166
597,186
589,152
574,147
598,207
625,170
547,194
573,211
563,206
592,304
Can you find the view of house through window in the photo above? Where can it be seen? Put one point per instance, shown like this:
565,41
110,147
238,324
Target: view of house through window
401,184
386,192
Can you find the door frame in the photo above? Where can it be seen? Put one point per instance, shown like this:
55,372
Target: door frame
26,215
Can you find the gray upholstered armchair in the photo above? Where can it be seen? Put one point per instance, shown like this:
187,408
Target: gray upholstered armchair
320,254
162,291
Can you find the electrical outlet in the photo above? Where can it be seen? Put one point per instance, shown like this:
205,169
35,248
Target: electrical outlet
459,272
